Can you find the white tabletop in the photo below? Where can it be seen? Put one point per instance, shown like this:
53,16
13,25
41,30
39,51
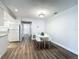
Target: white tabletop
41,36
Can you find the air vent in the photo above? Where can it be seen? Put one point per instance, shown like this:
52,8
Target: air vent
55,13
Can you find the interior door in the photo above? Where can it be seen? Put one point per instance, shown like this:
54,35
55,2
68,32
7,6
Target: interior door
26,31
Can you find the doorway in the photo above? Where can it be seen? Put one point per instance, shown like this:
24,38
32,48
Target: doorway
26,30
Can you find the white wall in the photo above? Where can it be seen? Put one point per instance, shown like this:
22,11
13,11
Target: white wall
38,25
63,29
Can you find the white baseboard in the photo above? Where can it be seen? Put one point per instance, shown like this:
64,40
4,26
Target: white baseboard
65,47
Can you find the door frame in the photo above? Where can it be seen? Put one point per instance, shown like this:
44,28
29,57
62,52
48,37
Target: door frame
21,27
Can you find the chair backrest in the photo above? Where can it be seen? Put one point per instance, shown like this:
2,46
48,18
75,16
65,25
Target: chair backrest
34,36
42,33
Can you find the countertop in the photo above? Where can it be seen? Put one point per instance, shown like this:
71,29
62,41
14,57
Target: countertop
2,34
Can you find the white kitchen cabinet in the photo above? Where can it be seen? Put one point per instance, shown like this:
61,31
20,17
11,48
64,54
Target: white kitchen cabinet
3,44
1,17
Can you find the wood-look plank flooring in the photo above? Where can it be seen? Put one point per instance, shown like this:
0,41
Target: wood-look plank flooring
27,50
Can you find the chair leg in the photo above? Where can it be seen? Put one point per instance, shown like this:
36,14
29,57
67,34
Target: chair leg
49,44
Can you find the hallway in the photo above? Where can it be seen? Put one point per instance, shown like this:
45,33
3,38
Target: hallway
27,50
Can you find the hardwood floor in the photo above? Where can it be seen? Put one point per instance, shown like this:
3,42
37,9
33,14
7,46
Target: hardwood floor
28,50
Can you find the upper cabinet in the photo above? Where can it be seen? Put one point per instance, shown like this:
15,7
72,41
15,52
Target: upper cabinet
2,9
1,16
6,16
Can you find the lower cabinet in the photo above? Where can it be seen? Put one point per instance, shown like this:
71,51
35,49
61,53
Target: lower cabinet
3,44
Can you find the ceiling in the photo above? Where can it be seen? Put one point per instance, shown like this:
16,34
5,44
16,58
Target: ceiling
29,8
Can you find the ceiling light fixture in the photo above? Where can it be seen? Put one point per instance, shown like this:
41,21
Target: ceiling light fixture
41,15
16,10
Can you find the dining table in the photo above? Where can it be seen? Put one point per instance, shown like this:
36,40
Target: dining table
42,38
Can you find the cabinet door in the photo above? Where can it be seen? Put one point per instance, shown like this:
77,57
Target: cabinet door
3,45
1,17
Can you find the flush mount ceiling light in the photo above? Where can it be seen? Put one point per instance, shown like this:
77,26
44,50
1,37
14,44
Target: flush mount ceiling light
16,10
42,13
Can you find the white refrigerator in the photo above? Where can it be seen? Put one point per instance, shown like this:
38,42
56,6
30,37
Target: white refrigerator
13,34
